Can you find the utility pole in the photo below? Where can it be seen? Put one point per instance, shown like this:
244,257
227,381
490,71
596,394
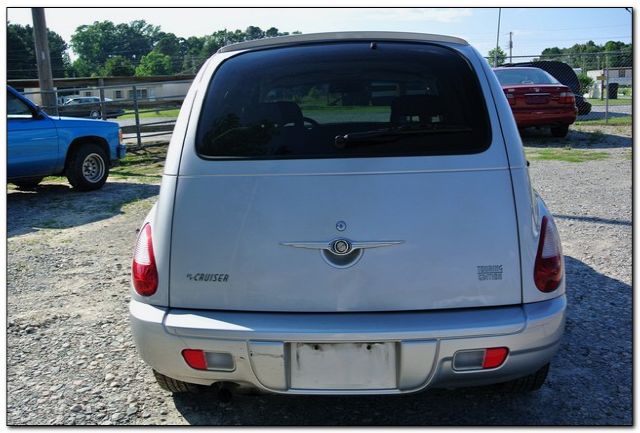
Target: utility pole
510,47
43,59
495,56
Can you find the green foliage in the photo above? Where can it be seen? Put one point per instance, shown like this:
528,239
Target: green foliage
96,42
118,66
590,56
585,82
154,63
622,120
21,57
82,68
502,57
137,47
566,154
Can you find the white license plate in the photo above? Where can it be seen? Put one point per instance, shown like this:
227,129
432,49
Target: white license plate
335,366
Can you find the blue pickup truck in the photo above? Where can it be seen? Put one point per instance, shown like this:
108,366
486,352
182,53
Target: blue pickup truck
40,145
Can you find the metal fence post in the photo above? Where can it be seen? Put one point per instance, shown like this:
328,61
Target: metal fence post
57,105
137,115
103,112
606,100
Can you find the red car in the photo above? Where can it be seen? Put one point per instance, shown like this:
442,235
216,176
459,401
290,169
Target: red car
538,99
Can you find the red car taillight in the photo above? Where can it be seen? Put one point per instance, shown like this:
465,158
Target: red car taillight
143,268
548,270
567,98
195,358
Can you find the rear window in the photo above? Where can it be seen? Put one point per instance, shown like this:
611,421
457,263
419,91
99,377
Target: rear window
354,99
524,76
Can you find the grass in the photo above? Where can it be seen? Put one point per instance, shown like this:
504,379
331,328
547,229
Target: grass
566,154
620,101
161,113
622,120
145,165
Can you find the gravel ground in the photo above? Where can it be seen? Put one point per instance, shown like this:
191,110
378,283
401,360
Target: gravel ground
71,359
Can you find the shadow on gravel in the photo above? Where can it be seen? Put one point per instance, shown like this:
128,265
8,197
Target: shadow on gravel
589,382
58,206
596,220
596,139
624,111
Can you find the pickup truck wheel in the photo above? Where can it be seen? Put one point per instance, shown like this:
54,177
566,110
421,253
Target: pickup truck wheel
174,385
560,131
27,183
533,382
88,167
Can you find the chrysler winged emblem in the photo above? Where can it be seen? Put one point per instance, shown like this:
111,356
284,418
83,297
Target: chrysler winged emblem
341,246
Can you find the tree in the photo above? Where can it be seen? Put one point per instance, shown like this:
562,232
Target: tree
118,66
272,32
82,68
93,43
21,58
585,82
253,32
590,56
169,44
97,42
154,63
501,57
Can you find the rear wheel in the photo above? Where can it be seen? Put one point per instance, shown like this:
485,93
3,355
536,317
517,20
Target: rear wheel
560,131
174,385
27,183
87,168
533,382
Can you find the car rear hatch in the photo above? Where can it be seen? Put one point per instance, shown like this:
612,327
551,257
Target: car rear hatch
303,191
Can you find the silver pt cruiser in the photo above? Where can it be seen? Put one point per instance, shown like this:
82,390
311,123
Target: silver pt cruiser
347,213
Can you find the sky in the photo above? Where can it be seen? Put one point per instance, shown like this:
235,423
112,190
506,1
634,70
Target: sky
533,28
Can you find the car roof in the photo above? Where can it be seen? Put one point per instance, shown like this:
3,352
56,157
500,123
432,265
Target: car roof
516,68
340,37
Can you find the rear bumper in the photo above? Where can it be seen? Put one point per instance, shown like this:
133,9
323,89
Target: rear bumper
532,117
424,343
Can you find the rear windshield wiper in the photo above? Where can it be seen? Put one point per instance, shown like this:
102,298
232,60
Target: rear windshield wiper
394,133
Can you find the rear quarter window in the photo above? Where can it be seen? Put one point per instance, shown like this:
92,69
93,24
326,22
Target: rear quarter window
338,100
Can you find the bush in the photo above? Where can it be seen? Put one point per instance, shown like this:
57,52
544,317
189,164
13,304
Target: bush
585,82
625,91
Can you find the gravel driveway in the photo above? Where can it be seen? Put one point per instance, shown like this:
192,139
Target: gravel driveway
71,359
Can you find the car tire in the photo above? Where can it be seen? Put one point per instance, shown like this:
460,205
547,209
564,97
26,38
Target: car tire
27,183
560,131
87,167
530,383
584,109
174,385
95,114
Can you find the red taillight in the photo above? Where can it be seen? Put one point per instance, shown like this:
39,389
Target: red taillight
195,358
144,271
548,270
567,98
494,357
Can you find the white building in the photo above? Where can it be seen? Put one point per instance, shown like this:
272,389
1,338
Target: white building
622,76
145,91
